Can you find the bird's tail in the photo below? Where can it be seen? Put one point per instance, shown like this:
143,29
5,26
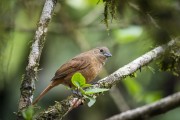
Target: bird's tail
49,87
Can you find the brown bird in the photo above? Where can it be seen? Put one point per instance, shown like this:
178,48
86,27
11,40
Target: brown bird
88,64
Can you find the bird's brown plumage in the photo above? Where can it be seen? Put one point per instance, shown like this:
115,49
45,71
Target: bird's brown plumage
88,64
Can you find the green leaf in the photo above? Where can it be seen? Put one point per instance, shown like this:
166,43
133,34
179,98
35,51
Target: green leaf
91,100
95,90
82,91
87,85
78,80
28,113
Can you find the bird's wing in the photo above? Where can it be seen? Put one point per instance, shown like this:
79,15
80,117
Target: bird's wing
74,65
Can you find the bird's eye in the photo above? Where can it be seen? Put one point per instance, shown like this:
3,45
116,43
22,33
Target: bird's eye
101,50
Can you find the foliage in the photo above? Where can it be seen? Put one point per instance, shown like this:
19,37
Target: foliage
171,60
87,90
28,113
110,7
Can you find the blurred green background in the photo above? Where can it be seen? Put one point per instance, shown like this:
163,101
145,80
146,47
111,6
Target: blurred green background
77,25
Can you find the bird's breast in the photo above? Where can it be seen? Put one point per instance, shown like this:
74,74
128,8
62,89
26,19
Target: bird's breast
92,71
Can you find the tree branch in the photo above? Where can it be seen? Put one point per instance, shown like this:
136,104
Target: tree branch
135,65
27,85
153,109
60,109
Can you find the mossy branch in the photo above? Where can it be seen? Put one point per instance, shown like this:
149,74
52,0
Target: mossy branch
27,85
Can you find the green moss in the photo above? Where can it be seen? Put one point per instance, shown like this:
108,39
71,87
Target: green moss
110,7
170,61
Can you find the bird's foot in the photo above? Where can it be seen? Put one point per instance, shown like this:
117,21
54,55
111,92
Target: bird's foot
77,92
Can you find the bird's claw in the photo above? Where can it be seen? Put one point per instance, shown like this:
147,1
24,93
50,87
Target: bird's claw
77,92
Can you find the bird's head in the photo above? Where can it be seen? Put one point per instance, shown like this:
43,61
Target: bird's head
102,53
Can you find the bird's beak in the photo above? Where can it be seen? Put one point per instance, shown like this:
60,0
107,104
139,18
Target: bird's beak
107,54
